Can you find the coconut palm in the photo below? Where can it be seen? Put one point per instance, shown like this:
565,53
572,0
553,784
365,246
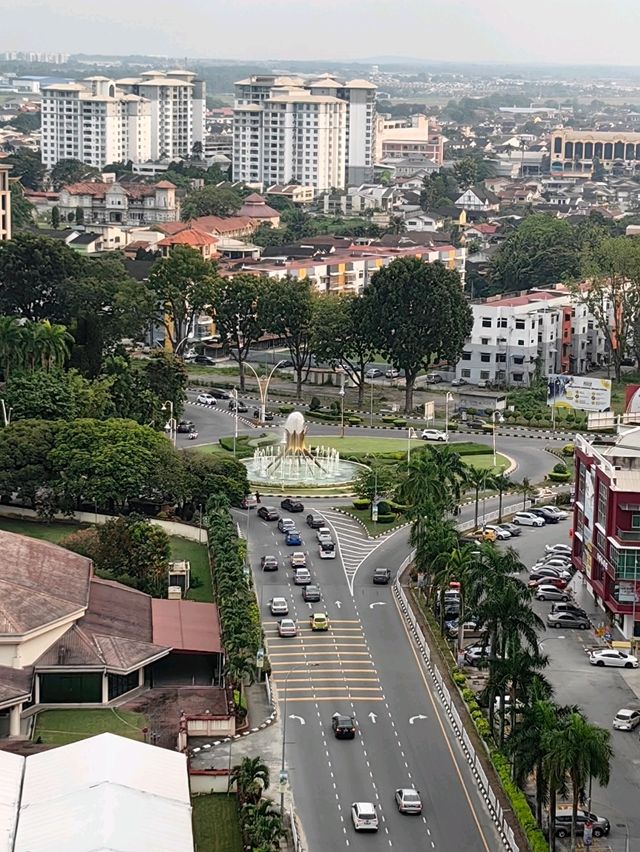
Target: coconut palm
431,536
527,490
262,825
516,675
50,344
501,483
10,344
251,777
238,667
480,479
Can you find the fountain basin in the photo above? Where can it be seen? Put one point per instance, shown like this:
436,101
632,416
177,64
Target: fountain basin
299,472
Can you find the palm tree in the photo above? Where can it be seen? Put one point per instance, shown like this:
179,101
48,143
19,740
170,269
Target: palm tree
480,479
525,747
238,668
251,777
501,483
462,565
527,490
516,675
10,339
263,826
51,344
431,536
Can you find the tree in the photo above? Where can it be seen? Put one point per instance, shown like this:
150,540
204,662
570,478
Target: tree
24,122
184,285
166,377
439,189
129,391
342,336
251,777
70,171
25,462
527,490
22,210
204,475
27,165
55,395
433,482
376,480
11,342
51,344
79,215
240,317
420,316
501,483
55,217
211,201
480,479
288,310
466,172
135,552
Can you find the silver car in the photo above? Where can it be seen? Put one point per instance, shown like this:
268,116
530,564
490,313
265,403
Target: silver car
568,619
408,800
551,593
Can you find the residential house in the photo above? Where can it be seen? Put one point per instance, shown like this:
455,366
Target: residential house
191,237
292,192
120,204
478,198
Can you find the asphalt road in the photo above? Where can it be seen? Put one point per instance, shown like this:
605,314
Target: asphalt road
365,666
601,692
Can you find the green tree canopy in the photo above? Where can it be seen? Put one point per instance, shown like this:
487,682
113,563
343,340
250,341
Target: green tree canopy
55,395
70,171
27,165
240,314
211,201
22,210
289,312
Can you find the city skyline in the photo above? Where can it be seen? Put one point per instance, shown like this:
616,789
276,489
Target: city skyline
496,31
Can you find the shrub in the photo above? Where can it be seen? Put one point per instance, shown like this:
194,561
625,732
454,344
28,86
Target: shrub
568,450
354,420
285,409
315,404
361,504
459,678
560,468
556,476
384,508
388,418
400,422
386,519
521,809
468,694
453,427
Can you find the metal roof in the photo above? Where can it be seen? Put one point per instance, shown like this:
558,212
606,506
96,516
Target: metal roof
11,766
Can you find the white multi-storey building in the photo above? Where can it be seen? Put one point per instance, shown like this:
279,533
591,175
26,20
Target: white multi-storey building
94,122
319,132
5,204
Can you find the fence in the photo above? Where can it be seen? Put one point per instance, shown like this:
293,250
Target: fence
490,798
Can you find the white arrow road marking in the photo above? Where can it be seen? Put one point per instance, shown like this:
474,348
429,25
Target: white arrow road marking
299,718
377,603
338,604
373,717
413,718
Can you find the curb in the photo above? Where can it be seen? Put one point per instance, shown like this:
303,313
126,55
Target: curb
267,723
358,521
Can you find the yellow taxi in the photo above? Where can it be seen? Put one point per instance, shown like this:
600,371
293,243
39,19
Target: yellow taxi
318,621
484,535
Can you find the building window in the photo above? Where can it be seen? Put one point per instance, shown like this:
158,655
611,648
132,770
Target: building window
518,377
485,374
603,500
519,359
486,322
502,322
466,374
484,341
600,541
485,357
635,522
501,358
520,324
466,356
582,473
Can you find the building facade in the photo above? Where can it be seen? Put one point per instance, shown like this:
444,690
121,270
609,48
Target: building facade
574,151
5,204
120,204
318,133
606,526
401,138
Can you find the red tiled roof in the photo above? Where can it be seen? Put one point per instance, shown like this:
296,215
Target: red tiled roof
186,626
132,190
189,237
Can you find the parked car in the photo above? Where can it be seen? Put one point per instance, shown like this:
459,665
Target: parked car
315,521
558,549
206,399
558,582
550,593
268,415
568,607
600,825
408,800
613,657
392,373
185,427
552,561
484,534
301,577
219,393
293,538
291,505
279,606
511,528
549,517
475,654
311,593
457,383
433,379
298,559
626,720
319,621
476,423
268,513
327,550
344,727
269,563
202,359
543,571
560,513
364,816
434,435
287,627
528,519
381,576
286,524
500,533
568,619
373,373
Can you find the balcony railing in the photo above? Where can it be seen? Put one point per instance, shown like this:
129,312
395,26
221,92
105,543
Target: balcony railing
628,535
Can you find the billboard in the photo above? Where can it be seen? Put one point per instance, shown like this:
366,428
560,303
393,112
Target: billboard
578,392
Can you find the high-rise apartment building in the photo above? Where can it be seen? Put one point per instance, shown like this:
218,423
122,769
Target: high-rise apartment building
318,132
5,204
158,115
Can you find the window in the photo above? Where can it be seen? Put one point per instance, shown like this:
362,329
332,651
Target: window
519,359
502,322
520,323
626,562
520,342
485,374
466,374
466,356
518,377
484,341
485,357
501,358
635,522
486,322
603,501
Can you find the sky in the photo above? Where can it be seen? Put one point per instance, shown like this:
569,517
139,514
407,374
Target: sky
537,31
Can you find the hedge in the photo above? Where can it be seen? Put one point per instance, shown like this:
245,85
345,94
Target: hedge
323,415
519,804
361,503
555,476
568,450
386,519
400,422
353,420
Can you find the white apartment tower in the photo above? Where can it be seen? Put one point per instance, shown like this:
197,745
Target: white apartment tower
5,203
319,133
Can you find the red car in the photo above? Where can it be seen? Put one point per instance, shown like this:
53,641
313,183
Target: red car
558,582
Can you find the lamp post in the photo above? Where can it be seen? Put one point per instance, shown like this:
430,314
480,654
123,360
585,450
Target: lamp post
167,405
342,403
495,429
283,771
447,399
263,389
179,345
235,411
6,413
411,433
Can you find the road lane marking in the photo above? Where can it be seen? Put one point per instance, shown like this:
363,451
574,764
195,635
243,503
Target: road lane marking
332,689
334,698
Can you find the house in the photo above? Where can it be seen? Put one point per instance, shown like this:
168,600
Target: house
482,231
120,204
423,222
193,238
478,198
292,192
256,208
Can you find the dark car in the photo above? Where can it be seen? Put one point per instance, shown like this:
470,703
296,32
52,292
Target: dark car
291,505
186,426
218,393
268,513
238,406
476,423
315,521
546,515
269,563
514,529
344,727
203,359
268,415
381,576
311,593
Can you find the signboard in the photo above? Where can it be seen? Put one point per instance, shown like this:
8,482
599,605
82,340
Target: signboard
260,658
374,512
578,392
429,411
626,592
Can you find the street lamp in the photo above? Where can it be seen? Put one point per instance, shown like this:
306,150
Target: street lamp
411,433
447,399
371,408
495,428
263,389
179,345
341,403
235,411
283,771
167,405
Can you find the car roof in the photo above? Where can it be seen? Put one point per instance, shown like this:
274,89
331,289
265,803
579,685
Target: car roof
279,600
364,806
626,711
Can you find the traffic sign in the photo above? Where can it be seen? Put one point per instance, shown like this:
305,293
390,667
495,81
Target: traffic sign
260,658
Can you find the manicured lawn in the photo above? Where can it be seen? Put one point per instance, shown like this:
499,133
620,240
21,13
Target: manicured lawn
59,727
364,516
350,444
486,461
215,823
182,548
49,532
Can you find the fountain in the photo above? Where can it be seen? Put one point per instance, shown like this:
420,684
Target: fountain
292,463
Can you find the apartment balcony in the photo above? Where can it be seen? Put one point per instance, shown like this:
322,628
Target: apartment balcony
628,535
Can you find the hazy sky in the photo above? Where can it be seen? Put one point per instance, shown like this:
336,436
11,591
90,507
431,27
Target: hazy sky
567,31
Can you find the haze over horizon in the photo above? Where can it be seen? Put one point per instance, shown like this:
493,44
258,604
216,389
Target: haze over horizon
497,31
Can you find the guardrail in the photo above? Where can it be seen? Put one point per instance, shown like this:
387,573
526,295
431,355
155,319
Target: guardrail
491,800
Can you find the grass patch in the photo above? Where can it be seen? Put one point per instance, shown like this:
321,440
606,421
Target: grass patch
196,554
38,529
350,444
364,516
59,727
216,826
483,462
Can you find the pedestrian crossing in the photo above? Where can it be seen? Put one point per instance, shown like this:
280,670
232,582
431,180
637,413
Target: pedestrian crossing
335,665
354,544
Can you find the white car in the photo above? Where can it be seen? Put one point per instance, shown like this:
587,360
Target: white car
434,435
408,800
287,627
206,399
626,720
324,534
279,606
501,535
528,519
558,549
301,577
612,657
559,513
327,550
364,816
392,373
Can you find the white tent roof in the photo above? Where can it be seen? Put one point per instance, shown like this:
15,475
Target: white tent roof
11,766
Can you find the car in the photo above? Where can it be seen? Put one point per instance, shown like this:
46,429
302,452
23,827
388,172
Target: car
301,577
202,359
568,607
373,373
483,534
238,406
470,625
560,513
269,563
291,505
475,654
311,593
547,592
434,435
279,606
286,524
544,573
268,513
433,379
556,570
458,383
315,521
364,816
286,364
549,517
600,825
249,502
558,582
497,703
186,426
268,415
293,538
511,528
344,727
551,560
318,621
613,657
206,399
484,383
528,519
501,534
324,534
327,550
408,800
568,619
219,393
381,576
558,549
392,373
287,627
476,423
298,559
626,720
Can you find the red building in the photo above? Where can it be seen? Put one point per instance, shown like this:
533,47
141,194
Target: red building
606,525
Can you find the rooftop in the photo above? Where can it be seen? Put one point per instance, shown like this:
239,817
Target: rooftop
186,625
